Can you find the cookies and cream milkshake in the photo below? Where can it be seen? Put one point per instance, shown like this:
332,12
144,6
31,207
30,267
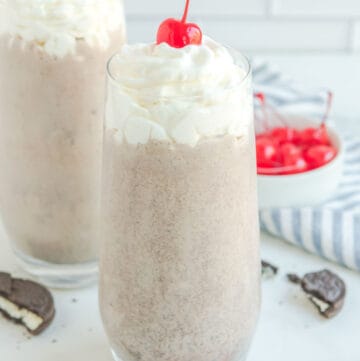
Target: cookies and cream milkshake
53,58
179,265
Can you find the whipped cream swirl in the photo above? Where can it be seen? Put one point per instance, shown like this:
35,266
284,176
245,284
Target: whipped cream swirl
157,92
55,25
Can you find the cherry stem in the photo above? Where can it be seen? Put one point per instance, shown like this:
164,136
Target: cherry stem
186,11
261,97
266,107
328,107
262,100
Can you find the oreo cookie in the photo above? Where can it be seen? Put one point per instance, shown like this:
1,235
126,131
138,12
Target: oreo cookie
324,289
26,302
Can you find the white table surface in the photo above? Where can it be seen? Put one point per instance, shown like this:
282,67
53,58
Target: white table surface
289,327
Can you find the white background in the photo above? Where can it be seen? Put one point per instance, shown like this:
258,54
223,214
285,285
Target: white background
258,25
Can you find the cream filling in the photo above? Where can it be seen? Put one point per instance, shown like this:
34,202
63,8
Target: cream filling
28,318
323,306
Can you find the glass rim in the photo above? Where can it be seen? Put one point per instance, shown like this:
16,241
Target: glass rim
236,54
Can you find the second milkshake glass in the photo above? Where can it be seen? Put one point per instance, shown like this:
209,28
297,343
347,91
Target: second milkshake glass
179,266
53,57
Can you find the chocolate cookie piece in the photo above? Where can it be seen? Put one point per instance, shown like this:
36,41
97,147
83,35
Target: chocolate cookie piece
268,270
5,283
26,302
325,290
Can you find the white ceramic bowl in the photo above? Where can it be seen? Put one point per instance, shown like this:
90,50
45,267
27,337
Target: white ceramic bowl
303,189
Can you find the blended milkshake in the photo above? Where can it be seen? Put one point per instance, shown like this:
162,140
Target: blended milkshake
179,266
53,58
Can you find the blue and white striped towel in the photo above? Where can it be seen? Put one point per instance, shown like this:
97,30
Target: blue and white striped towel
330,230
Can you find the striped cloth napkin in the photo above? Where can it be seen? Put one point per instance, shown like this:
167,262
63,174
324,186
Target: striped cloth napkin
330,230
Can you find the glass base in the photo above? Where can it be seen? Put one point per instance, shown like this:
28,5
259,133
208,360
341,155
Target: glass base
59,275
115,356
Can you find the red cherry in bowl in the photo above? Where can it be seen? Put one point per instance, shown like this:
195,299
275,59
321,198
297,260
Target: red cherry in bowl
289,154
315,136
285,135
292,159
178,33
266,152
319,155
299,165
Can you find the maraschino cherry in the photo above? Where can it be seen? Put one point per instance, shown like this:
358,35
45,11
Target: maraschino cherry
178,33
266,152
286,150
283,151
318,155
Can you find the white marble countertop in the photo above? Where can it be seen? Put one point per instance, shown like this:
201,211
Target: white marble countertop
289,327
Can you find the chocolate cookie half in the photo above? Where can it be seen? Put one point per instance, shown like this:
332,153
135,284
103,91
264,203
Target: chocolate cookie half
325,290
26,302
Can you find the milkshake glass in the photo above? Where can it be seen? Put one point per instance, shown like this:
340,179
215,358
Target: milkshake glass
179,264
53,58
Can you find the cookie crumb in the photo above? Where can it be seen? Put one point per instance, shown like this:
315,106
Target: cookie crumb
292,277
268,270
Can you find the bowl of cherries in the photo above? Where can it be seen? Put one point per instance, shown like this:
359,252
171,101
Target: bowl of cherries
299,161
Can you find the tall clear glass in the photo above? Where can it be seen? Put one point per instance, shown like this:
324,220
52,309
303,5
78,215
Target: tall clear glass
52,83
179,265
